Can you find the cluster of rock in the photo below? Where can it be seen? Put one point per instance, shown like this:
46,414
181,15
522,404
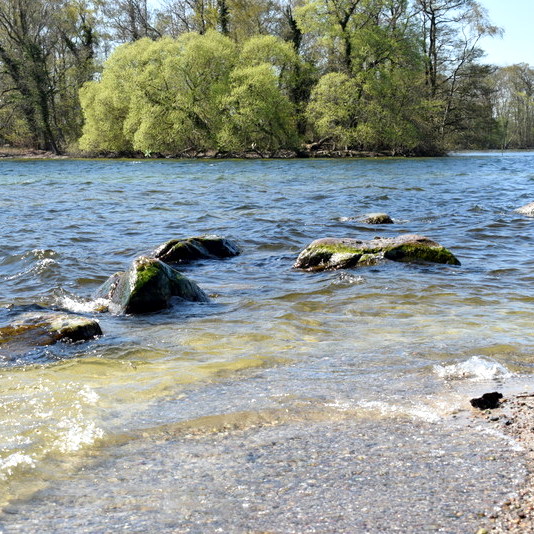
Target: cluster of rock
148,285
151,282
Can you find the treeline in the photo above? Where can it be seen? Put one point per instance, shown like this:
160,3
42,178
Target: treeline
262,76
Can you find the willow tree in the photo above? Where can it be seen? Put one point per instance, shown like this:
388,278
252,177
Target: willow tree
259,113
159,96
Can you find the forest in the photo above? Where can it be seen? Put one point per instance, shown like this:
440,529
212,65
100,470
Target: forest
261,77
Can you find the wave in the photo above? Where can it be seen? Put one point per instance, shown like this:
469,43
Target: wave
475,368
77,304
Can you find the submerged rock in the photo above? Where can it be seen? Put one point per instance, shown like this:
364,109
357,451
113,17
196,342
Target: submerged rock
377,218
527,209
148,286
196,248
46,328
332,253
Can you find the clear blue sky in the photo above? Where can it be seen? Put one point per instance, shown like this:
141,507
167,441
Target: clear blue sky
516,17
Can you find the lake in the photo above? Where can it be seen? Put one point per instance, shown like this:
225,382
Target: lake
292,401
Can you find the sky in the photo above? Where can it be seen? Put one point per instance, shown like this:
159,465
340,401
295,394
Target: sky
516,17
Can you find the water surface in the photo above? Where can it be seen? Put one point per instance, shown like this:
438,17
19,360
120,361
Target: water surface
372,360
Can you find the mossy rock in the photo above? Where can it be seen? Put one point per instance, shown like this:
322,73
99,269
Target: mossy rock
527,209
196,248
332,253
377,218
148,286
46,328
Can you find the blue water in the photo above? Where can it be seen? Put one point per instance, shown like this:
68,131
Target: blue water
395,340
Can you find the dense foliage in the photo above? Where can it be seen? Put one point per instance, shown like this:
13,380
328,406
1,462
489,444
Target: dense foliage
261,76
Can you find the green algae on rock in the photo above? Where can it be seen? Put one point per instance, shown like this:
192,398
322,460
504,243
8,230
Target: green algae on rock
196,248
333,253
377,218
37,329
527,209
148,286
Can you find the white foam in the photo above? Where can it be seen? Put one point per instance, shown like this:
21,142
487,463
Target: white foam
425,413
475,368
76,434
89,395
78,305
9,464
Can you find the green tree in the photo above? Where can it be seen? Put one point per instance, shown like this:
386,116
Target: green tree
513,105
451,31
46,50
334,109
259,116
161,96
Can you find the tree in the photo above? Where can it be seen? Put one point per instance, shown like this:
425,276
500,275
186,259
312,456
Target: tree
238,19
334,22
513,104
451,31
161,96
130,20
334,109
46,50
259,116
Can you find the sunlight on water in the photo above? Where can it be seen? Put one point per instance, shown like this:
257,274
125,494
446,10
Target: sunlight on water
274,347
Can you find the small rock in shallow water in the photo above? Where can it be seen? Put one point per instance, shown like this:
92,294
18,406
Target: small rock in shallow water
46,328
527,209
196,248
377,218
488,401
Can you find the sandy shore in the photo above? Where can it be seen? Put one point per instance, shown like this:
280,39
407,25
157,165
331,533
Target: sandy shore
515,417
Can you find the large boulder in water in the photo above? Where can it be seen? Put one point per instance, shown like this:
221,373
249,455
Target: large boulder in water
196,248
527,209
148,286
37,329
331,253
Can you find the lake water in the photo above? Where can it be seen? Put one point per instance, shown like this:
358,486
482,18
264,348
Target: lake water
292,401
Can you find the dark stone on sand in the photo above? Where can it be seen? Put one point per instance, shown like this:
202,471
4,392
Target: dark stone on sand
38,329
488,401
334,253
148,286
196,248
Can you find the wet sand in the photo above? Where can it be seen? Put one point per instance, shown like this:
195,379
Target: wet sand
347,474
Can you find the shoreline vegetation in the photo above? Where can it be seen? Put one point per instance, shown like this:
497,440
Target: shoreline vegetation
304,153
257,79
10,153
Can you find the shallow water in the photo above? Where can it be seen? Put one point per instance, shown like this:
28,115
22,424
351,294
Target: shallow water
371,357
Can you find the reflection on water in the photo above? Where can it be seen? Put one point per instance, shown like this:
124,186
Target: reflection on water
274,347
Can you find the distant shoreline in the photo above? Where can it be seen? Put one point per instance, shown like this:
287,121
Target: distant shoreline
11,153
22,153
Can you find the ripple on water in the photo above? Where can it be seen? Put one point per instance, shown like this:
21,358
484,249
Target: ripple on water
379,337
